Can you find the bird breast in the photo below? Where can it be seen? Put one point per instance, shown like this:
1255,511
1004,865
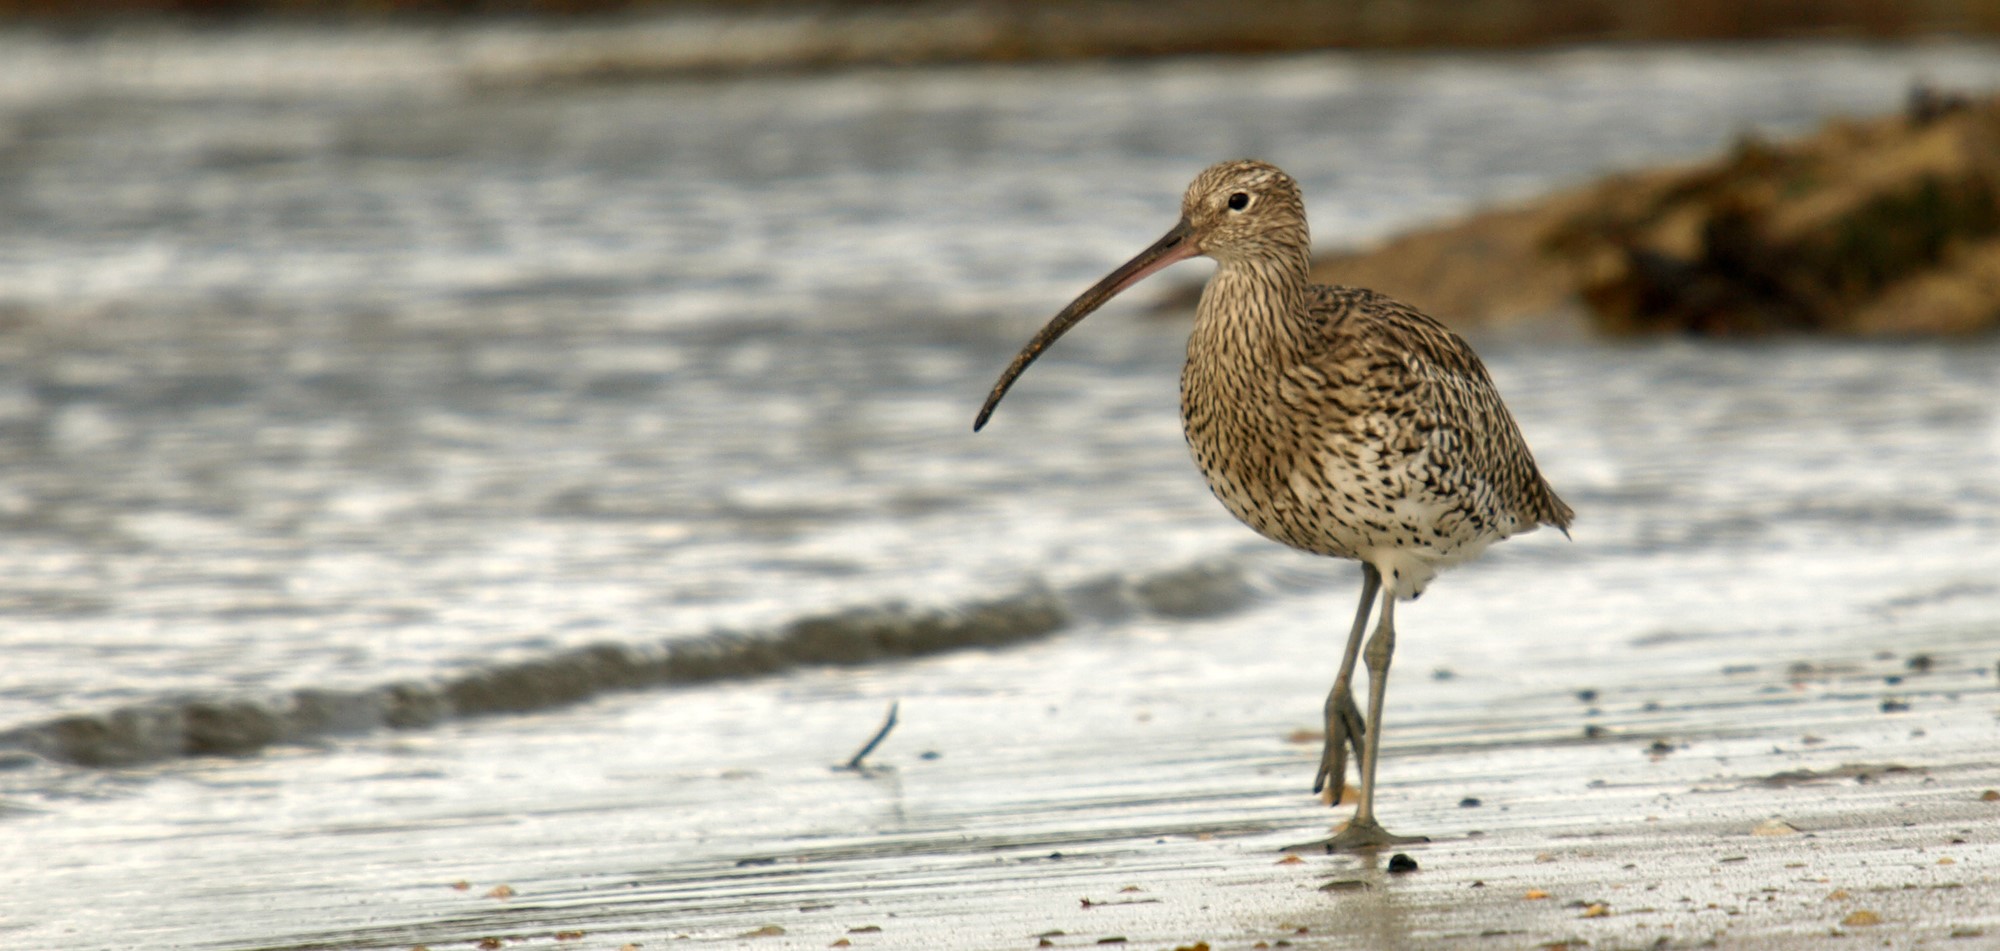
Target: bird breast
1315,455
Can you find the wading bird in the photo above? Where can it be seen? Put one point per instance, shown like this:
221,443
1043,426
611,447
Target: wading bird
1334,420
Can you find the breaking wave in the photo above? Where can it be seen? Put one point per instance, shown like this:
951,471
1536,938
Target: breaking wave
235,726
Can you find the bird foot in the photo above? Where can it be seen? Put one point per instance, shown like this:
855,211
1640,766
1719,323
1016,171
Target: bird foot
1359,835
1344,730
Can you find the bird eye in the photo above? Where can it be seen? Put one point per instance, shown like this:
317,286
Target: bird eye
1239,201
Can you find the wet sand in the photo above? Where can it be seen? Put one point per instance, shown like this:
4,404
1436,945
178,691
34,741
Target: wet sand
1133,785
1758,806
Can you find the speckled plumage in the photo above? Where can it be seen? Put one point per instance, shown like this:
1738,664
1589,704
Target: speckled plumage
1336,420
1374,435
1332,419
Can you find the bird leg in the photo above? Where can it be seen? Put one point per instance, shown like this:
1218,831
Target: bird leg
1362,831
1344,726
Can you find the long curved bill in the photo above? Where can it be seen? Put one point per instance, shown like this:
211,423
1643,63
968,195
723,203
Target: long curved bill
1174,246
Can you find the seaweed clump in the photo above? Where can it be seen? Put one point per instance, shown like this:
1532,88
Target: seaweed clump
1884,227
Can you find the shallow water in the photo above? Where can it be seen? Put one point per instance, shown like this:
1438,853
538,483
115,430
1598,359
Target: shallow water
341,393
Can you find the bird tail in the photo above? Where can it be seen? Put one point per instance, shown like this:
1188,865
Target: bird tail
1555,511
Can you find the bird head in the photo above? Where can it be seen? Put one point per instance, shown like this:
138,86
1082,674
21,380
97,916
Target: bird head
1241,212
1245,210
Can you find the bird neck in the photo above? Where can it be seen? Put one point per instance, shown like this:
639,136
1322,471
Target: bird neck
1253,311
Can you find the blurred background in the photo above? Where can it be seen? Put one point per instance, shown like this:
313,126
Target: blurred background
367,367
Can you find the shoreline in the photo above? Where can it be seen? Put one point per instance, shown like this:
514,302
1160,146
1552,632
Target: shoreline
1758,793
668,39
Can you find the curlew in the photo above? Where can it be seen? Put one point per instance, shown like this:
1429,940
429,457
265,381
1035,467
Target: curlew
1334,420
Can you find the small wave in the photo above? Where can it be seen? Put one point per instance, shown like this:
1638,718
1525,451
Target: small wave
209,726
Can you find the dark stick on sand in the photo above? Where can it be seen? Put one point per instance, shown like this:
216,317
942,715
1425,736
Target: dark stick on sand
888,723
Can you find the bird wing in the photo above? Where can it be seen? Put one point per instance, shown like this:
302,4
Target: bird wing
1394,359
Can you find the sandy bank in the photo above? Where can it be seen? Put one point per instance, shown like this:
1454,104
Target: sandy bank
1879,227
677,37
